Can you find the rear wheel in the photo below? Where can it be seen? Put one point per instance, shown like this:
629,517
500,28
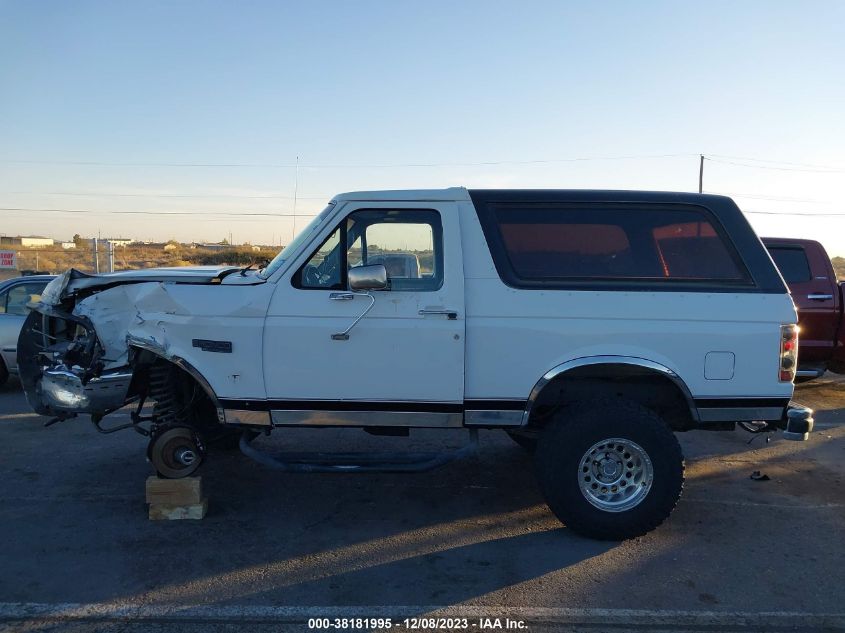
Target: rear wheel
611,470
4,373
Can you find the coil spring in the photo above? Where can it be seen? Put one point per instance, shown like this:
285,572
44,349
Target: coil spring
163,392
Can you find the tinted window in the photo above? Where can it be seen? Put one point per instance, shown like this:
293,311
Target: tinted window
600,242
792,263
693,250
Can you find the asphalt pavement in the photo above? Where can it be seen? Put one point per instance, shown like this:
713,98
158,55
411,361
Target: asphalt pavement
472,540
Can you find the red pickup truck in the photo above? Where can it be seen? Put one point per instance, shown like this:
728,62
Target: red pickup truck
807,270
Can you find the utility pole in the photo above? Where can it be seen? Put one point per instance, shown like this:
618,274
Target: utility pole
111,256
701,174
295,193
96,256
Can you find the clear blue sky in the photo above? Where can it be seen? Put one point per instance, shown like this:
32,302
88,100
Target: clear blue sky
349,85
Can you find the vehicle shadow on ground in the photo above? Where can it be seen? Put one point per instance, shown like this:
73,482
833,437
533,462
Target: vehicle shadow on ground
450,535
472,531
368,539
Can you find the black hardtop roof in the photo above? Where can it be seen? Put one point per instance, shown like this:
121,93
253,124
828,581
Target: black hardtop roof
595,195
748,246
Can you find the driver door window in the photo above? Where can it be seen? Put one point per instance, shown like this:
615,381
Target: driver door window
407,242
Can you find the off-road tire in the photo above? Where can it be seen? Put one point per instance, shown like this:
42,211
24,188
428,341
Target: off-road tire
562,447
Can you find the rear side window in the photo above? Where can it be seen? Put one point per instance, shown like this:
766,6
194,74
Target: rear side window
792,263
15,300
621,243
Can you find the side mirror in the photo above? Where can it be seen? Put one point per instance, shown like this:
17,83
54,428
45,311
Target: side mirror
368,277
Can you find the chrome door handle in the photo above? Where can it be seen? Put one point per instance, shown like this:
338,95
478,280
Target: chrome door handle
342,296
820,297
450,314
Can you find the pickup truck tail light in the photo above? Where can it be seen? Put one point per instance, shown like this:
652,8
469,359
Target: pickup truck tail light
788,352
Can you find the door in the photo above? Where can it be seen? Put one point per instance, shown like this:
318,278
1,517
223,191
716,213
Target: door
403,362
815,295
13,312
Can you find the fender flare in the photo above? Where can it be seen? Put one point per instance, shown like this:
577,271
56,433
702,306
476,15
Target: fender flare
587,361
160,352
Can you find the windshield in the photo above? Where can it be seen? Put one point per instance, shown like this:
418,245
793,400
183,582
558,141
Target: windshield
291,248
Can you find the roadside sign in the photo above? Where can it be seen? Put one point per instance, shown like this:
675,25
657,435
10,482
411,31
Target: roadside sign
8,259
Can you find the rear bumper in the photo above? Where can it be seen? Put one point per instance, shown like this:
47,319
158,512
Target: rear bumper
795,420
797,423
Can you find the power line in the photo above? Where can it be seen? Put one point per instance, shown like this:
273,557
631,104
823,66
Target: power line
32,250
775,168
346,165
755,196
776,162
741,161
798,213
161,213
90,163
499,162
94,194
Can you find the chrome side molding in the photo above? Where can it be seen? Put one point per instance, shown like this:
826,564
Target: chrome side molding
493,417
314,417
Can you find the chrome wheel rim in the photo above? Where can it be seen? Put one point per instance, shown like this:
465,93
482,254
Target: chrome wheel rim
615,474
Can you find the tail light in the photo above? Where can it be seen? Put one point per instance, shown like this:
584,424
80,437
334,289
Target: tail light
788,352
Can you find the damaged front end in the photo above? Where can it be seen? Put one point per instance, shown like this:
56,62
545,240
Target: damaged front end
67,366
63,370
95,343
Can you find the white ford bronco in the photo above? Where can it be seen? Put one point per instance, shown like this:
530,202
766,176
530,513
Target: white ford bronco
589,325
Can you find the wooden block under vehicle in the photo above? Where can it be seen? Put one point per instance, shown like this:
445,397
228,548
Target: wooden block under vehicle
174,492
168,512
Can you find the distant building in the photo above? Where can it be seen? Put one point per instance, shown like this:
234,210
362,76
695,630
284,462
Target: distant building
88,242
67,245
213,247
27,240
117,241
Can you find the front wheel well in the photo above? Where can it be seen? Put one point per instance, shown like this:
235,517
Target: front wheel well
591,383
180,395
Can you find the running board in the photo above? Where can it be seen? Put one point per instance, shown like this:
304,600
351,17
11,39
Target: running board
419,462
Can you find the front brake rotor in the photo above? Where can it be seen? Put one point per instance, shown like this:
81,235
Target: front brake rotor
176,452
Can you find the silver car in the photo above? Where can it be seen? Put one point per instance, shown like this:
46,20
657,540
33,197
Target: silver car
15,294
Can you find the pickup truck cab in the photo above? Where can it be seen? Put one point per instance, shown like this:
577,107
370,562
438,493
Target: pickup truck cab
809,274
590,325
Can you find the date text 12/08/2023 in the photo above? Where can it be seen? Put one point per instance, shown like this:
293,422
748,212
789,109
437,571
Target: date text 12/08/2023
420,623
